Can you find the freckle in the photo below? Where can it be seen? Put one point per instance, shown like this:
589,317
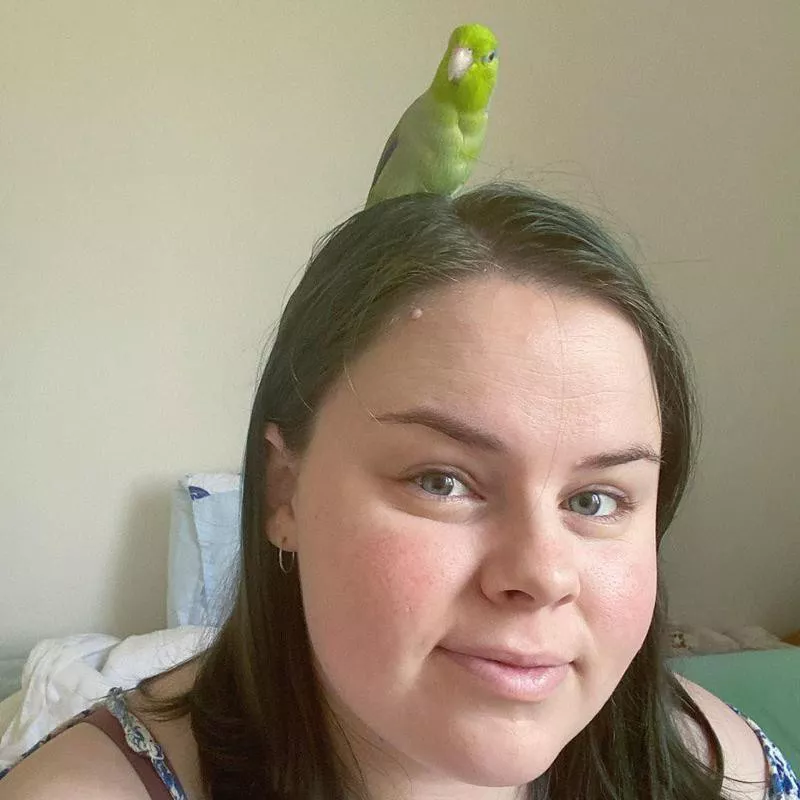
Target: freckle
416,313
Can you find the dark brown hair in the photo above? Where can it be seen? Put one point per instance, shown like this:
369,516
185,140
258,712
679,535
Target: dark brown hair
260,720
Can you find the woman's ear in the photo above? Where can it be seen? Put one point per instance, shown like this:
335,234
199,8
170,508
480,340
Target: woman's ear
281,484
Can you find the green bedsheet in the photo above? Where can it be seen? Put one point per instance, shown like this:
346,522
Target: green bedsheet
763,684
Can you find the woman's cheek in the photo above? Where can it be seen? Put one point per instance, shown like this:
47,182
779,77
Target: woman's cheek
388,576
620,590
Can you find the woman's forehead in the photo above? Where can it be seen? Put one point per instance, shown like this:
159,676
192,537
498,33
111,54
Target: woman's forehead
509,350
495,325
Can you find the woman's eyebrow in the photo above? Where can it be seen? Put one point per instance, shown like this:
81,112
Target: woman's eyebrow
450,426
636,452
465,432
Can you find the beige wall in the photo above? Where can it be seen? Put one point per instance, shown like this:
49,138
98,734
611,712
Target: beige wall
165,168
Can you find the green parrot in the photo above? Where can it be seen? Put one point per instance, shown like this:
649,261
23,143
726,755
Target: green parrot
435,143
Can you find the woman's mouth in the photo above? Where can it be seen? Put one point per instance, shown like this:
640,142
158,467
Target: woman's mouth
529,679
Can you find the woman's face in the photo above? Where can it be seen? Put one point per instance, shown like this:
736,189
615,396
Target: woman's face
474,521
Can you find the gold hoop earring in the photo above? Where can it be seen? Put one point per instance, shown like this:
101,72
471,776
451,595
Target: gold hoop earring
283,567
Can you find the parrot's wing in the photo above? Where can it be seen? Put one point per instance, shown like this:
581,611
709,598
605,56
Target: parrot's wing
390,147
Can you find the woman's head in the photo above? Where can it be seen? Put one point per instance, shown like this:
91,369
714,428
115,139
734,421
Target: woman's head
376,263
474,427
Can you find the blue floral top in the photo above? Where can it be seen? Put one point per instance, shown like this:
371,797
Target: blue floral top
783,783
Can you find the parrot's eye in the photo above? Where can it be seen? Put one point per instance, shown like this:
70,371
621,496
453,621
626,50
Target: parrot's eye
487,59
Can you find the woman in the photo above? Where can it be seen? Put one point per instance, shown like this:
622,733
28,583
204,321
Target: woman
473,431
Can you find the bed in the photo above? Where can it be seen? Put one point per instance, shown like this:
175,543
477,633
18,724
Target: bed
748,668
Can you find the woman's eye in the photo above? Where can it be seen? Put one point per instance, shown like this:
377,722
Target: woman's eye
593,504
441,484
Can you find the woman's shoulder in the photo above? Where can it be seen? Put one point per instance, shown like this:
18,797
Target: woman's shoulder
747,773
82,761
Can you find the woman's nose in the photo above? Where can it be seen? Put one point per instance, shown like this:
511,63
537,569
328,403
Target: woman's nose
532,560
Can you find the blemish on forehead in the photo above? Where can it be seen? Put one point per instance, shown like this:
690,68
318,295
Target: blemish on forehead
414,313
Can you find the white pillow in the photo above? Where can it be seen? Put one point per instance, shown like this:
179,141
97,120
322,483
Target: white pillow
203,547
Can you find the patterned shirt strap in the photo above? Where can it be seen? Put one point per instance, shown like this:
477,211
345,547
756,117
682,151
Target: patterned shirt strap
105,721
783,783
139,740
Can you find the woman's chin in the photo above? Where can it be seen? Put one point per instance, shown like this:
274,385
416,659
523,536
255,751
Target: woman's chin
497,769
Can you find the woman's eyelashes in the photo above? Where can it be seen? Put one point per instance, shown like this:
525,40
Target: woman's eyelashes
596,504
599,504
442,484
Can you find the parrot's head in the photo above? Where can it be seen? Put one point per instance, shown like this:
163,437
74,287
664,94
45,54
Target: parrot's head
468,69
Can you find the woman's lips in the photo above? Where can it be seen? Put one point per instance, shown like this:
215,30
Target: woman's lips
527,684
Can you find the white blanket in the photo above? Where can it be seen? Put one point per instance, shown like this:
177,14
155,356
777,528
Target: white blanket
62,677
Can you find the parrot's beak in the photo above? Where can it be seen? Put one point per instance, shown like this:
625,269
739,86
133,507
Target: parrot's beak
460,62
